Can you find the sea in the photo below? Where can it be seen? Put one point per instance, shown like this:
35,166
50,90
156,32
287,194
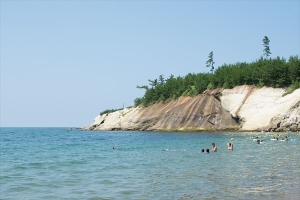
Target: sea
56,163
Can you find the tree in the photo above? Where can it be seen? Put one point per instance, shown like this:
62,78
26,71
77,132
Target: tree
138,101
153,83
210,62
143,87
266,42
161,79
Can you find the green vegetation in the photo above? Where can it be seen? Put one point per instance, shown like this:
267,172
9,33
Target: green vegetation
109,111
210,62
276,73
292,88
266,42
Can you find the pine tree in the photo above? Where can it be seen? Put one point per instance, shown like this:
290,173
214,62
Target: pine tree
161,79
210,62
266,42
153,83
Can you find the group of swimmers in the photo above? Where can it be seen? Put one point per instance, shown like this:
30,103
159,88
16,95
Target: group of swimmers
274,138
214,148
283,139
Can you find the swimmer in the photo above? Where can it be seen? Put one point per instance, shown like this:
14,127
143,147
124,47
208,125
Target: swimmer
230,146
258,141
214,147
286,138
202,150
207,150
164,149
114,147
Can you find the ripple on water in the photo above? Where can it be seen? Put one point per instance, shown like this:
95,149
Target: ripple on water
55,164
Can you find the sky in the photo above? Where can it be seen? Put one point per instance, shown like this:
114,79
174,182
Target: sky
63,62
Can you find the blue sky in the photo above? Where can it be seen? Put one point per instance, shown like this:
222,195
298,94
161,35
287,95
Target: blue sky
63,62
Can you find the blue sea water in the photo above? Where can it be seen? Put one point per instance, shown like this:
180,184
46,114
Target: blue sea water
53,163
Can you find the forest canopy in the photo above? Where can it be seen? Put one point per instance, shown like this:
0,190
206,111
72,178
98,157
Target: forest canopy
273,72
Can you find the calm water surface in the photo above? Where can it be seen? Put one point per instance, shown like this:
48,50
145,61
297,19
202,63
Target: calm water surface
53,163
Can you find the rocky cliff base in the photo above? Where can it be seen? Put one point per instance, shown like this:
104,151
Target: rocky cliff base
243,108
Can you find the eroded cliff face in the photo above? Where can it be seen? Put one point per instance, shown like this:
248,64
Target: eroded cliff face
245,108
262,109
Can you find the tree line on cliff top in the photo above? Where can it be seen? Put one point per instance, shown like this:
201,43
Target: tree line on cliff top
276,73
270,72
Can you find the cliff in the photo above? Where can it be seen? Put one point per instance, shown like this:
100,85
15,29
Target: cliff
244,108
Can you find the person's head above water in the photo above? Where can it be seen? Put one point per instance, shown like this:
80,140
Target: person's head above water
207,150
202,150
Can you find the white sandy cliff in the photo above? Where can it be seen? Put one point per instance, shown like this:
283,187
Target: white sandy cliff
244,108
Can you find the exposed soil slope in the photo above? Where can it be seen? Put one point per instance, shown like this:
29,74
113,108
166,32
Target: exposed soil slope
244,108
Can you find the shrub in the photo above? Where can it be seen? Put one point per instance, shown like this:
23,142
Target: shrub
109,111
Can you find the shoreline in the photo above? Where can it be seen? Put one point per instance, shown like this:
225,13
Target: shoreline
192,131
237,109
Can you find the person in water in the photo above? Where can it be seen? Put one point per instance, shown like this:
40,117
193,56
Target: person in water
258,141
275,138
207,150
230,146
214,147
202,151
286,138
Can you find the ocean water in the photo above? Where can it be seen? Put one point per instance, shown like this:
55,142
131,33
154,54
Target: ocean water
53,163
